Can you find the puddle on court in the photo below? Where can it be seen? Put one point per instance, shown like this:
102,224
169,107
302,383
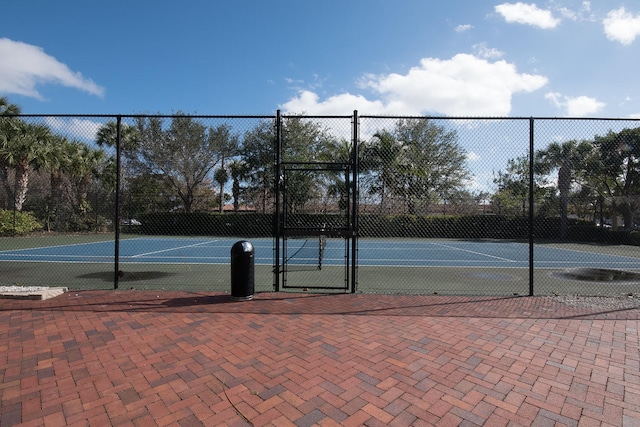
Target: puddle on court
598,275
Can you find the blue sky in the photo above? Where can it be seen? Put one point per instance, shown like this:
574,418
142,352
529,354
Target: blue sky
456,57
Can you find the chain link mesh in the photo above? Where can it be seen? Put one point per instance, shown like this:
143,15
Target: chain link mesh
443,205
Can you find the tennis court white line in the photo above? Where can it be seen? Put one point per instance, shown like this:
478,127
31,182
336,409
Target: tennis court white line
173,249
56,256
56,246
475,252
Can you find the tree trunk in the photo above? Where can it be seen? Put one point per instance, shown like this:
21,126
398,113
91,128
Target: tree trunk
83,192
221,197
22,184
564,185
56,196
236,195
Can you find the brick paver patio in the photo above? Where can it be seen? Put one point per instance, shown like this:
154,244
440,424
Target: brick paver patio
140,358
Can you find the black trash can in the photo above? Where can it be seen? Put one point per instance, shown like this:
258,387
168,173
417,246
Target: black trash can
242,271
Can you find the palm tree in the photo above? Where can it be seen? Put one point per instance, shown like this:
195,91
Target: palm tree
227,145
107,135
221,177
617,171
58,163
336,187
6,109
565,157
86,162
238,171
381,156
24,147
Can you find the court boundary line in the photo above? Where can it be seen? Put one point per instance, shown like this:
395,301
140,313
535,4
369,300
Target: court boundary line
474,252
19,255
582,251
173,249
56,246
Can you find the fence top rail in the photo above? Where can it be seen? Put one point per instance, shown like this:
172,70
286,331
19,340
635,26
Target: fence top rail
305,116
159,116
361,116
494,118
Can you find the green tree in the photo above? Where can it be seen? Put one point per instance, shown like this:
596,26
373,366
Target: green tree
183,155
513,188
107,136
85,164
425,163
59,163
257,153
617,171
228,147
7,108
221,176
239,172
24,148
6,123
340,151
303,141
564,157
380,160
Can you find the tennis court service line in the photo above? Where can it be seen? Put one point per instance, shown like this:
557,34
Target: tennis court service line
177,248
475,252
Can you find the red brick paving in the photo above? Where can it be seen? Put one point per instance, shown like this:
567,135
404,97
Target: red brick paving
133,358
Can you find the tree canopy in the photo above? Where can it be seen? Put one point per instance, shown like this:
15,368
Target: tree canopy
416,163
415,166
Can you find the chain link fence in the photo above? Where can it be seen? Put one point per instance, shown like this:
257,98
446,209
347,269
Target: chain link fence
414,205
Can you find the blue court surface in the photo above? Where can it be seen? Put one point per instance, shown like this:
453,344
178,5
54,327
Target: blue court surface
371,252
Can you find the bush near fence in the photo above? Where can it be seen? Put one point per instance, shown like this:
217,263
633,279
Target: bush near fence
17,223
383,226
488,227
207,224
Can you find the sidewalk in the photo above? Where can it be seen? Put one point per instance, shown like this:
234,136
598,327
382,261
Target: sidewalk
141,358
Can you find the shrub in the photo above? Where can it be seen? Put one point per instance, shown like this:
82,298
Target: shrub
24,223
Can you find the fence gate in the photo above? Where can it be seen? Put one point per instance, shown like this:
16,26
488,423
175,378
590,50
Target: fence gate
317,244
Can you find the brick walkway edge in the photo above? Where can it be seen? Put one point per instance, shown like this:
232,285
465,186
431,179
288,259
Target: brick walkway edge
140,358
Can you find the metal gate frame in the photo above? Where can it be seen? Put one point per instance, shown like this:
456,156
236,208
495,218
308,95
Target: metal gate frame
283,230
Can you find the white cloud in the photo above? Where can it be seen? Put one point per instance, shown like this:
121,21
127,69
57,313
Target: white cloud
568,13
462,28
473,157
464,85
307,102
622,26
483,51
579,106
74,128
23,67
528,14
581,14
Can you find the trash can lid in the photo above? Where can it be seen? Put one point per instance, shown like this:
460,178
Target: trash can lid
243,246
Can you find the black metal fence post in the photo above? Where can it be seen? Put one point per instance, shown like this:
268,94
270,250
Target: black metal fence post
116,275
276,214
354,207
531,201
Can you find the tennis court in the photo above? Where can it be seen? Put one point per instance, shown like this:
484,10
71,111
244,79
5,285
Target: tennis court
422,266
